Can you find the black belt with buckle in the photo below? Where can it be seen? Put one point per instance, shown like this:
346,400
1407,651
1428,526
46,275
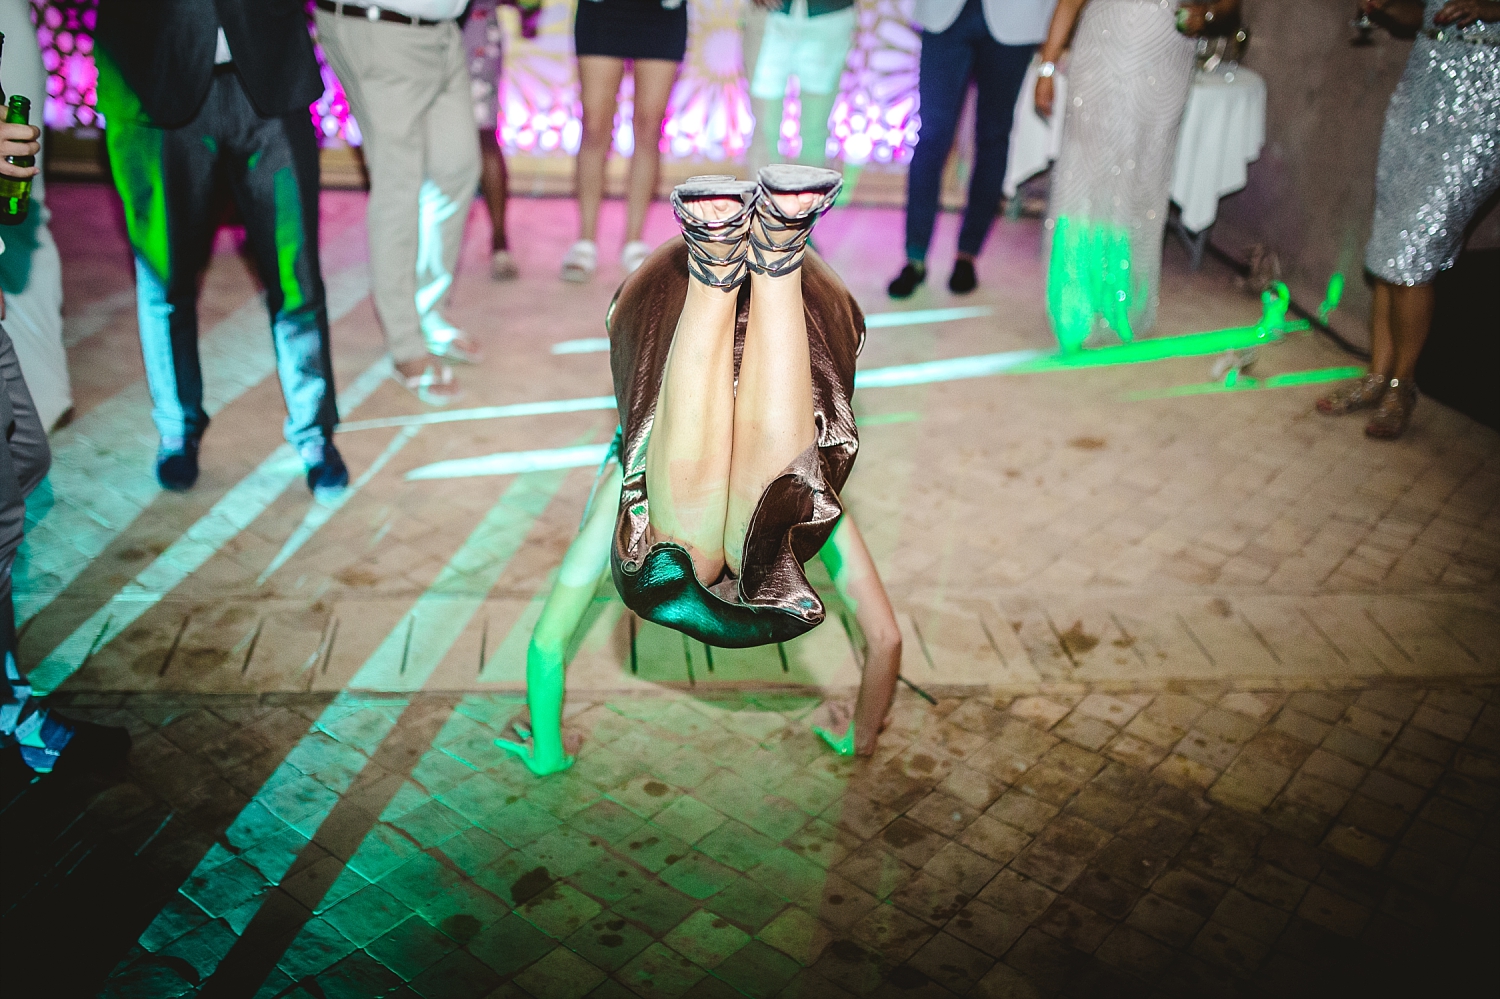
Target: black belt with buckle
373,13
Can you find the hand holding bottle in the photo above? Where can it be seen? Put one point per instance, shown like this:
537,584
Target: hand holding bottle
18,140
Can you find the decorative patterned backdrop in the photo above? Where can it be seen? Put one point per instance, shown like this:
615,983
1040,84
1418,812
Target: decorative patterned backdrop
875,118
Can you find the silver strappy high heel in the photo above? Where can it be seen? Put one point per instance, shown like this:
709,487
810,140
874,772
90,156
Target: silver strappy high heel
778,241
725,271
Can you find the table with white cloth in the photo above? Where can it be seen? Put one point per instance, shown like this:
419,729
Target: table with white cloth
1223,130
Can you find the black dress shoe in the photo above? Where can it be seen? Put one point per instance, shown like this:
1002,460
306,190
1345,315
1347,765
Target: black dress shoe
906,282
327,475
963,279
177,464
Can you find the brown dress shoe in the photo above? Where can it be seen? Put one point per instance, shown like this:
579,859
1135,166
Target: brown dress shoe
1362,393
1390,420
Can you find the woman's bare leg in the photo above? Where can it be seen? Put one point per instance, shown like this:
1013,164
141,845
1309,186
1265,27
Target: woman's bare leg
1411,321
858,582
542,748
1382,347
773,405
494,185
599,78
688,454
653,87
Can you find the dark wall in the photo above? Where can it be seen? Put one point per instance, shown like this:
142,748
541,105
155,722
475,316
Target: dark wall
1311,194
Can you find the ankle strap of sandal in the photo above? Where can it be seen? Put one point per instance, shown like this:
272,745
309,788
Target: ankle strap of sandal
699,234
767,246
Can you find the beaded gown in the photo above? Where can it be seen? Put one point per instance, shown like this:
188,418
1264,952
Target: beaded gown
1128,82
1439,152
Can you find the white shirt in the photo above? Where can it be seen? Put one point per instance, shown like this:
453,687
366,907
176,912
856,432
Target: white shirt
221,50
1012,22
431,10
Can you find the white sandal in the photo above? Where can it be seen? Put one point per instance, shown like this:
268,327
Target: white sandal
635,253
433,376
581,260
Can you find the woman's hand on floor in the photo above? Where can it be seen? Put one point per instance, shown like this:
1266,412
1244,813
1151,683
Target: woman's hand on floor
839,716
524,746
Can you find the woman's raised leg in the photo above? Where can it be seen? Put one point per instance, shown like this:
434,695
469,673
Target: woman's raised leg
688,454
773,403
541,747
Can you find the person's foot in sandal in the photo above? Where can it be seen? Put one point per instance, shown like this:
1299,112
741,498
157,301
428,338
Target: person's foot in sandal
427,378
581,260
448,341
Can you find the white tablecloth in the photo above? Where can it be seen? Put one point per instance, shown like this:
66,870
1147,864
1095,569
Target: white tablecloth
1223,130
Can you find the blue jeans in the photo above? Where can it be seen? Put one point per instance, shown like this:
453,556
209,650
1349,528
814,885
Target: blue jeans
168,180
950,59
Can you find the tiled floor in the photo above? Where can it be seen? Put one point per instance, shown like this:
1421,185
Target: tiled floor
1214,676
1202,842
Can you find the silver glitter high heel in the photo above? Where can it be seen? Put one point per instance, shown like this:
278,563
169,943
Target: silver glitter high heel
1362,393
778,241
723,270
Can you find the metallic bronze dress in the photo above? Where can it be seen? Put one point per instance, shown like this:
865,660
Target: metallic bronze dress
771,600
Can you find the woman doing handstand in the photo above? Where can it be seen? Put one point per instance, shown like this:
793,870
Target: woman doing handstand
733,357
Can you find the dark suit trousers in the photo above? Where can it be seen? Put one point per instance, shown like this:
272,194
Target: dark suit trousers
168,178
24,460
950,59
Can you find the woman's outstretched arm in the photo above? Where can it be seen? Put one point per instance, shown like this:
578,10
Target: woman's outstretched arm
858,582
564,610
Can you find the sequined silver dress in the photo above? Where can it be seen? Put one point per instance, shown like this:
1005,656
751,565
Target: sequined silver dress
1439,153
1128,81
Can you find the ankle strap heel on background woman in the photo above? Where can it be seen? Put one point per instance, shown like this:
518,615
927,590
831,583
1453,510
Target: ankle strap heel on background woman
725,270
778,241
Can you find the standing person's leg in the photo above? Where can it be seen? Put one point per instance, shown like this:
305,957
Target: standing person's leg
820,66
483,48
385,71
273,171
599,83
944,74
1410,321
816,110
447,192
1367,391
761,149
42,739
494,185
653,88
165,178
999,71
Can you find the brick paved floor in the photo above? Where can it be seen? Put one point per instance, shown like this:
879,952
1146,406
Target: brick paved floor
1202,842
1215,677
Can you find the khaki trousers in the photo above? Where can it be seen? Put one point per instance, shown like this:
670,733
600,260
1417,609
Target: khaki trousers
408,87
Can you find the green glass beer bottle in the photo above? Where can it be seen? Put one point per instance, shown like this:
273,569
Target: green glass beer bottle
15,195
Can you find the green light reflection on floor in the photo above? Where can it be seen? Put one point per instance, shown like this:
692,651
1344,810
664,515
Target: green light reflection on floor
1240,383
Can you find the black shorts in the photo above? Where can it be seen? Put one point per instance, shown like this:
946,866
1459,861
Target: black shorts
631,29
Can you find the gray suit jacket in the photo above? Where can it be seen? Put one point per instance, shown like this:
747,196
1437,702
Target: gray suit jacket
1012,22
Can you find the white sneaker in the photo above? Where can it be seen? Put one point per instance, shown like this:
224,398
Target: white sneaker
581,260
635,253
